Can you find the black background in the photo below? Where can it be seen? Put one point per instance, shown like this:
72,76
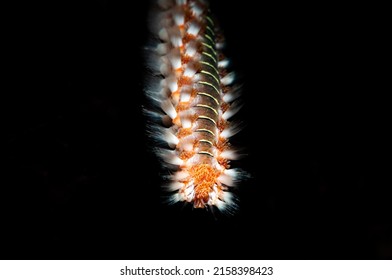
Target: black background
80,179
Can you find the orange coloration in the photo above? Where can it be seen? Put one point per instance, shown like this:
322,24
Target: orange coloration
188,15
176,95
178,71
193,88
194,118
184,81
224,107
224,162
223,72
222,144
177,120
185,59
182,106
187,38
222,124
185,155
204,177
183,132
225,89
193,93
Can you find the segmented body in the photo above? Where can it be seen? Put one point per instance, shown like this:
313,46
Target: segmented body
194,100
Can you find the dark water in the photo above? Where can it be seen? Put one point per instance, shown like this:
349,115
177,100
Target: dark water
80,180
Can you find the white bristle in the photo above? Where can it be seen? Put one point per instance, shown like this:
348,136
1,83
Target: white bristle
173,86
170,138
163,84
176,40
169,109
229,154
163,34
190,71
175,186
212,195
162,48
188,146
222,206
164,69
219,46
155,90
176,198
233,129
194,28
223,63
179,18
170,156
186,122
175,60
189,191
228,79
226,180
226,133
218,166
233,172
231,96
196,9
234,108
191,49
180,176
171,83
227,197
185,96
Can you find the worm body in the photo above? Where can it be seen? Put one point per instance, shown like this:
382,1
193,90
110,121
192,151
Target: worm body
193,99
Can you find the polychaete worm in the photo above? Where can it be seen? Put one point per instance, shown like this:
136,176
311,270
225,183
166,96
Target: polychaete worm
193,98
